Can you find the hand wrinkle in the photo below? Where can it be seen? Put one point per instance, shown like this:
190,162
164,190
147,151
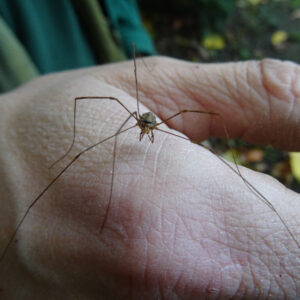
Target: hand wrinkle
293,83
263,80
252,93
155,164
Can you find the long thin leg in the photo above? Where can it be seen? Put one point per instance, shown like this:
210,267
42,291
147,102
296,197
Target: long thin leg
185,111
74,120
237,171
136,81
53,181
247,183
207,113
113,171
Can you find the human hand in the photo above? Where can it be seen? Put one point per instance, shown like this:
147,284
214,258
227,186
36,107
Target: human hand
181,223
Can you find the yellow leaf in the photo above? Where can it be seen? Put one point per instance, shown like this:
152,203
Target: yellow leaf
295,164
214,42
232,156
279,37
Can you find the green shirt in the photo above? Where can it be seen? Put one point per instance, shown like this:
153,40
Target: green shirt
38,37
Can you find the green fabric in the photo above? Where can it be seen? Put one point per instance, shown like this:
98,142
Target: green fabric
50,32
16,66
42,36
98,32
125,20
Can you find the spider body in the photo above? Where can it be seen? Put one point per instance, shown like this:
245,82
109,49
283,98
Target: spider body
147,123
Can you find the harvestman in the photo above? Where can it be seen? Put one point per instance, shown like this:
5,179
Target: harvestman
147,124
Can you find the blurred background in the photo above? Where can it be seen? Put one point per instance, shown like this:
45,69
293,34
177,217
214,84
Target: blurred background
231,30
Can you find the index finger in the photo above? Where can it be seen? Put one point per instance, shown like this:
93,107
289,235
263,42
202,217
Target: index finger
259,100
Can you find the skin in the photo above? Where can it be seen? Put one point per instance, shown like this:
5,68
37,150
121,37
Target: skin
181,224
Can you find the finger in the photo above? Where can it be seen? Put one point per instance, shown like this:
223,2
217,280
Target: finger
258,100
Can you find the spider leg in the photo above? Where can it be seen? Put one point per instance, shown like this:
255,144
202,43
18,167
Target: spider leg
149,137
207,113
136,80
251,188
152,136
55,179
113,167
141,135
134,115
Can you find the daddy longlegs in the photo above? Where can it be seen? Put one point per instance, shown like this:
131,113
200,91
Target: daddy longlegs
147,124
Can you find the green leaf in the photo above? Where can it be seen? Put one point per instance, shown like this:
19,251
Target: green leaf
295,164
